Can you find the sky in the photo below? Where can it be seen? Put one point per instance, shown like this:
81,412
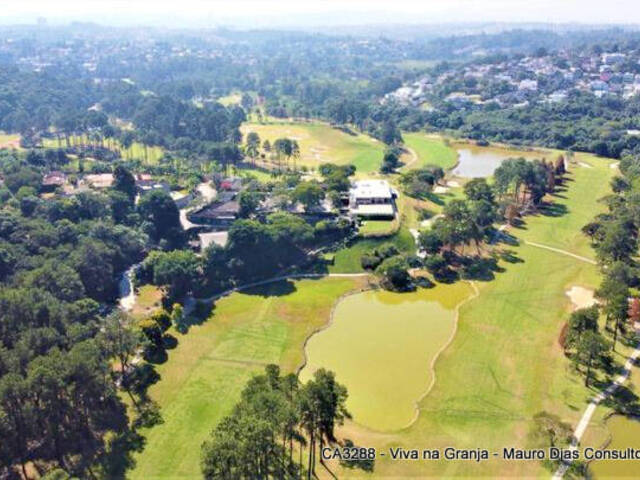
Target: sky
279,13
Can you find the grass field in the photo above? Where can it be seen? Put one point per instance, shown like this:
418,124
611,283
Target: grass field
505,364
148,300
205,373
231,99
319,143
431,150
503,367
9,140
377,227
347,260
584,187
381,344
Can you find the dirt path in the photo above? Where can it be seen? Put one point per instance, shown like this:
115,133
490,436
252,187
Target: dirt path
414,158
563,252
595,401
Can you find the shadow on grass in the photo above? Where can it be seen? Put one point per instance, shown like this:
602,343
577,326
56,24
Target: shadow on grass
480,268
276,289
432,197
623,401
554,209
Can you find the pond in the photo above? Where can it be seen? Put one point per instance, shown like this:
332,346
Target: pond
474,161
381,346
625,432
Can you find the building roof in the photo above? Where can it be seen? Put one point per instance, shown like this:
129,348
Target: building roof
54,179
99,180
371,189
150,185
374,210
225,206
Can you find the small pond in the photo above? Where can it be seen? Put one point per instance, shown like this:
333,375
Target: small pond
381,345
474,161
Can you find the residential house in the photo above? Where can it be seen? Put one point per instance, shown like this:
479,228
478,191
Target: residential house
221,213
53,180
99,180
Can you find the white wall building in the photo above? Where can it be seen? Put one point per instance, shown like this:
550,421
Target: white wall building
372,199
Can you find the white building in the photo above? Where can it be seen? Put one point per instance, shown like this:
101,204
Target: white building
372,199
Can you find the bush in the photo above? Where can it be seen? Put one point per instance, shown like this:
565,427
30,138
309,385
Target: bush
414,261
395,275
370,262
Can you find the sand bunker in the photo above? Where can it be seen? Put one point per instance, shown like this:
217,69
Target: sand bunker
453,184
440,189
583,164
581,297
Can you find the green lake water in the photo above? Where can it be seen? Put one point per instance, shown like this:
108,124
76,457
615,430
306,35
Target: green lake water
625,432
381,345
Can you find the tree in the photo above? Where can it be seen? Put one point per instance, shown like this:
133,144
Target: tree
430,242
159,209
178,270
253,145
247,102
580,321
390,161
551,430
478,189
251,442
394,273
309,194
390,134
616,309
177,316
124,182
590,353
634,311
249,202
119,339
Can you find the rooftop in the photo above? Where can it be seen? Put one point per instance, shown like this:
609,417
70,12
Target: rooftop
372,189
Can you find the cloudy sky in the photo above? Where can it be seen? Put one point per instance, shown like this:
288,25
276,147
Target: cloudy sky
319,12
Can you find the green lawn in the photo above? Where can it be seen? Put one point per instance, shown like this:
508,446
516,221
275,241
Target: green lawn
9,140
431,150
347,260
377,227
205,373
320,143
233,98
574,208
148,300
